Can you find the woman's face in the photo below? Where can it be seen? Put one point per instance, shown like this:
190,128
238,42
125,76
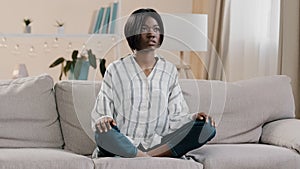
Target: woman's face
150,35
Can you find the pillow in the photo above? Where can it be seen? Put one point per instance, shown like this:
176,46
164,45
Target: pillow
75,102
28,115
284,133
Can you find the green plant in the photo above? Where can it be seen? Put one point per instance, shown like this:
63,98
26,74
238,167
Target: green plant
27,21
74,64
59,24
102,66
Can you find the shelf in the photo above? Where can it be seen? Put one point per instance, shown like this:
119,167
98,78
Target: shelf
30,35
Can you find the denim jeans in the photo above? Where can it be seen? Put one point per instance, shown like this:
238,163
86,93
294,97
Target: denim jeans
113,143
189,137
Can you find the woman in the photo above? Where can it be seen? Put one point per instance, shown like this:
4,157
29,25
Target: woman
140,110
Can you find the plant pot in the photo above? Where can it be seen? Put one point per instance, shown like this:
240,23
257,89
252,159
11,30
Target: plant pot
27,29
20,71
60,30
81,70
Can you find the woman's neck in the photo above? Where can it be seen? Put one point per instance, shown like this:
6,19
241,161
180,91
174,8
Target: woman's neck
146,60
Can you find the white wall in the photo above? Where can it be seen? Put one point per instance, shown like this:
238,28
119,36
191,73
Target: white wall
77,17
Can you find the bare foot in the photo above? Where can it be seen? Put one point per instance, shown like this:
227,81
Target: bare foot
161,151
142,154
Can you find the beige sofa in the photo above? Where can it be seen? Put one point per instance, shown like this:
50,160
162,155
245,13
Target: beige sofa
47,126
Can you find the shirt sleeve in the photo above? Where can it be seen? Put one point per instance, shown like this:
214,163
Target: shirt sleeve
104,105
178,109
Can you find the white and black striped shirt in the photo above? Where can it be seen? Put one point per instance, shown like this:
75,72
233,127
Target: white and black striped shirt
144,107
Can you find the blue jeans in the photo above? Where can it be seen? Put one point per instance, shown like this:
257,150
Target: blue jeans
189,137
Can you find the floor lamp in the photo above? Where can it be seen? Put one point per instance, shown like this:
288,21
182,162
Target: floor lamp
185,32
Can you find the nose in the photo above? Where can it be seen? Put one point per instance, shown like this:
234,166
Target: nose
151,34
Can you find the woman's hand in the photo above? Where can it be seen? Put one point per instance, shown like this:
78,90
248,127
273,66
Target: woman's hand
104,124
204,116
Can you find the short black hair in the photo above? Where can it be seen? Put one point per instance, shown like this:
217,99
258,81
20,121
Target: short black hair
132,29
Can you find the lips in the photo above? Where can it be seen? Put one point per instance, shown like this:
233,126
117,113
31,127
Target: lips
152,42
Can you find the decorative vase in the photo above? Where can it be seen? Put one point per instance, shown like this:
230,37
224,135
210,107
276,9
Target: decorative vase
83,71
27,29
60,30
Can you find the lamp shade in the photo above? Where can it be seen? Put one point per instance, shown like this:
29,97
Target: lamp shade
185,32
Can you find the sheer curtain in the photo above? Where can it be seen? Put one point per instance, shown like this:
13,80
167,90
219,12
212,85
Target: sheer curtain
253,39
212,61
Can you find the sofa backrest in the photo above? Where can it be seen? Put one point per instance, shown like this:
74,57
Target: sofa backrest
75,101
28,115
239,108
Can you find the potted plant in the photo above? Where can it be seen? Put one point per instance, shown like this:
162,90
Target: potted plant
60,27
27,23
77,67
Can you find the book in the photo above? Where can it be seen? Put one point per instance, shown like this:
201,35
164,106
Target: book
99,20
114,14
93,22
104,28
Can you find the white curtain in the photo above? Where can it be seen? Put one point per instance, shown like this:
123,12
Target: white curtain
253,39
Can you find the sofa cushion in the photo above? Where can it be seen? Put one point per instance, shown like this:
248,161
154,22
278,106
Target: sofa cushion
75,102
145,163
284,133
241,108
37,158
28,115
246,156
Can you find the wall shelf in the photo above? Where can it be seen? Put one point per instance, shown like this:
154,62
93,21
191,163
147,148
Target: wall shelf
30,35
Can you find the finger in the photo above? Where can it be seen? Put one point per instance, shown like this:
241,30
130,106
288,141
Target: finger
211,120
99,127
103,126
204,116
199,116
113,122
107,122
207,118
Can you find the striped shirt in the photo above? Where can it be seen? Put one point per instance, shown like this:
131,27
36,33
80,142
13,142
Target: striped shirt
145,108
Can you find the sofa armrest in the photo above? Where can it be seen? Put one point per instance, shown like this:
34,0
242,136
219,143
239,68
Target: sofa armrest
284,133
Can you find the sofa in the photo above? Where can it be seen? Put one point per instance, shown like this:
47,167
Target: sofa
46,125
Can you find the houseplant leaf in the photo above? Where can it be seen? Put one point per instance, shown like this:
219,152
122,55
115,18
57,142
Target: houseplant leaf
102,67
74,55
57,62
67,67
92,59
61,71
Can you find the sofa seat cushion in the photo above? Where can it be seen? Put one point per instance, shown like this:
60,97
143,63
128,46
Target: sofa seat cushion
145,163
38,158
246,156
28,115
